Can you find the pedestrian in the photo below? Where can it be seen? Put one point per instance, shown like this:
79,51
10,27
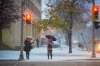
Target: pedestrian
27,47
37,42
49,48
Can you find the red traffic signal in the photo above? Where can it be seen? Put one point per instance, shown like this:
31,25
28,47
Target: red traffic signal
27,17
95,12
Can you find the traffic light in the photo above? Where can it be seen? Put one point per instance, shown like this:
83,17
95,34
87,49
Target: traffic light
95,12
27,16
28,19
96,24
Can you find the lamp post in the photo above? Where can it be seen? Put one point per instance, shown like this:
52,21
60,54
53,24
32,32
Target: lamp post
93,42
21,57
93,36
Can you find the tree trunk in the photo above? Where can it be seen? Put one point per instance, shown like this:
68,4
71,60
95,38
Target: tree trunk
70,32
70,41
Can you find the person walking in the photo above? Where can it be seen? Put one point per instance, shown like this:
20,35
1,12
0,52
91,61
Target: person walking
37,42
49,48
27,47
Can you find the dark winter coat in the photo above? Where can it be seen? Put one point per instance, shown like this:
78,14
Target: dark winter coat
28,45
49,47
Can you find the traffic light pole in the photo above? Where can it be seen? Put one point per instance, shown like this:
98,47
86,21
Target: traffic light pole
21,57
93,36
93,42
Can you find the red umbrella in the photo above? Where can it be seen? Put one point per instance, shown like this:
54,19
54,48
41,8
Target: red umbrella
51,37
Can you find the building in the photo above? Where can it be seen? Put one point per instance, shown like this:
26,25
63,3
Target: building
12,36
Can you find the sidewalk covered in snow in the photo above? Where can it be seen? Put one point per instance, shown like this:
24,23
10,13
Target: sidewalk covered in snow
40,54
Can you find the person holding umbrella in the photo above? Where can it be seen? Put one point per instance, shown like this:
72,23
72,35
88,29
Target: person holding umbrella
28,46
49,46
37,42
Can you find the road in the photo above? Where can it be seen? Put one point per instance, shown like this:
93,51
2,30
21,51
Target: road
52,63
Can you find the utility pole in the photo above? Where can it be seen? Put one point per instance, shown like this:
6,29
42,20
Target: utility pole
93,36
93,42
21,57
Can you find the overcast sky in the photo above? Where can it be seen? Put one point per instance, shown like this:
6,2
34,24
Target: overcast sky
44,8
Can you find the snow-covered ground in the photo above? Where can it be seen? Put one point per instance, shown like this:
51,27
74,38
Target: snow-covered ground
40,54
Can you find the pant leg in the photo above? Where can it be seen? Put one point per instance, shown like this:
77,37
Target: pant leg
51,53
27,54
48,54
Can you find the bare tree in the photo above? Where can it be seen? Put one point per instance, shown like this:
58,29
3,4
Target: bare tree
71,12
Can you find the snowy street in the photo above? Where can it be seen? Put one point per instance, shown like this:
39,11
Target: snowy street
40,54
